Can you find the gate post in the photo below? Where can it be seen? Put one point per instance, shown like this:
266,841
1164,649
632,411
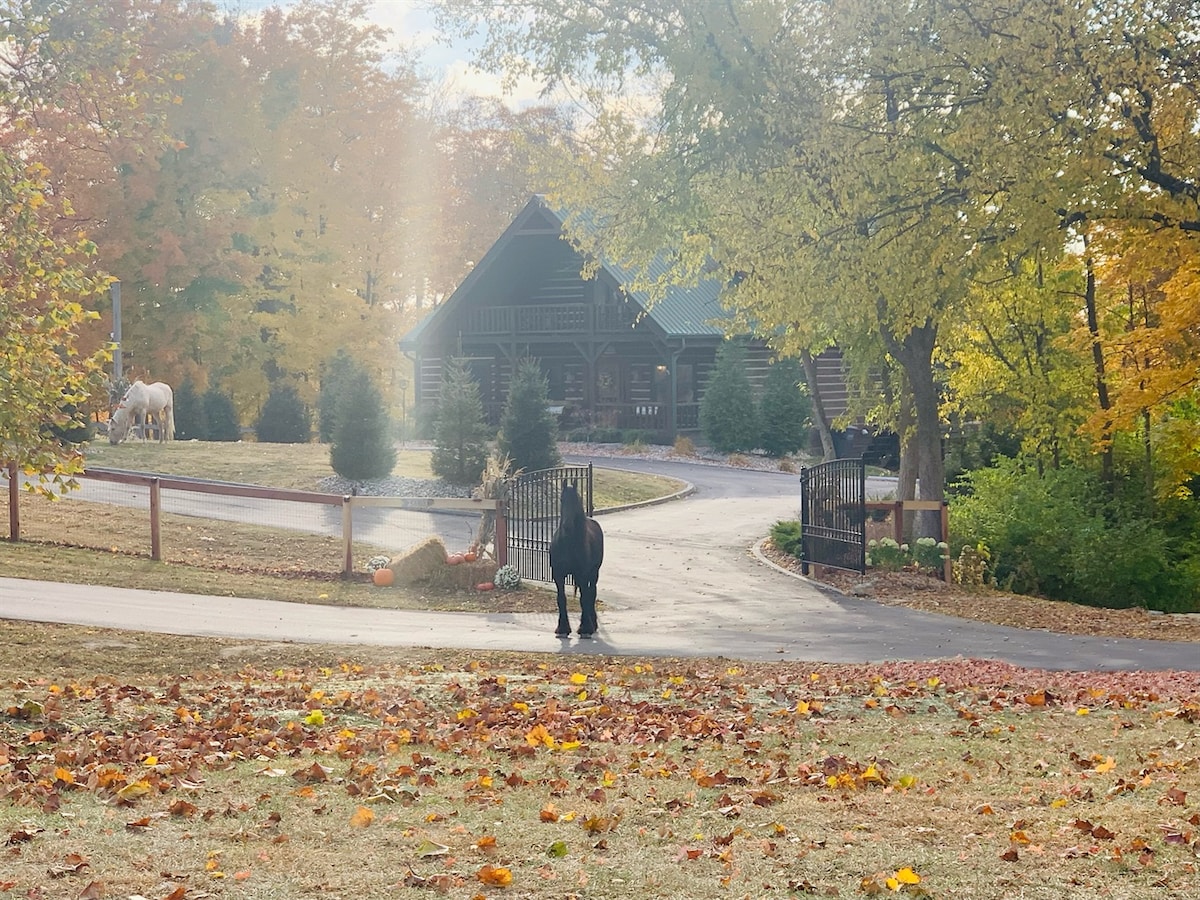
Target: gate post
804,520
501,537
862,515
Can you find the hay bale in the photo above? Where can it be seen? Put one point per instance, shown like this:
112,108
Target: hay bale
421,562
425,564
465,575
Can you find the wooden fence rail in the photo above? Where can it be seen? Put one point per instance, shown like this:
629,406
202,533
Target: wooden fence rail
155,484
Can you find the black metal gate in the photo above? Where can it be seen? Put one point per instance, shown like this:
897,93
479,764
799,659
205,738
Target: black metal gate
833,515
533,515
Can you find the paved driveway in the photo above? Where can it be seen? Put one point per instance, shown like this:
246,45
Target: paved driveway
679,579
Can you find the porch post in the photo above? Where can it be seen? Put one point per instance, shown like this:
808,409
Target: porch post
673,407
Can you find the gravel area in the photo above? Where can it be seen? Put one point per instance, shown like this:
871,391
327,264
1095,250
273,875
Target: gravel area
394,487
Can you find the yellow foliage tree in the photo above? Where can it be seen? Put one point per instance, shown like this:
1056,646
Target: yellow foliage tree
45,282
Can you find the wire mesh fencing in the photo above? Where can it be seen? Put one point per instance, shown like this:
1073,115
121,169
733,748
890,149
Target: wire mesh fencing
237,527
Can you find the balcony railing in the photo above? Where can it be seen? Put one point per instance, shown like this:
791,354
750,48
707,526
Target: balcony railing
557,318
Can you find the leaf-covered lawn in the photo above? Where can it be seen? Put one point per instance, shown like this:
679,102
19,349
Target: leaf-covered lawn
502,775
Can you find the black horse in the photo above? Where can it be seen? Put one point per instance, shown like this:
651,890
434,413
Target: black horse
577,549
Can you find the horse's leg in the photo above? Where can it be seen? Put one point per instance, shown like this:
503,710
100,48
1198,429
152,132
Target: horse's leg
587,606
564,623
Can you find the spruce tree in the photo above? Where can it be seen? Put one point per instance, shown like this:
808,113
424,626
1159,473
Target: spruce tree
460,434
728,416
284,419
221,415
336,370
528,430
362,448
785,409
190,422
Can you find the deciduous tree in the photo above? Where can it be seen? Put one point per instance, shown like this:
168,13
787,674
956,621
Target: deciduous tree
46,283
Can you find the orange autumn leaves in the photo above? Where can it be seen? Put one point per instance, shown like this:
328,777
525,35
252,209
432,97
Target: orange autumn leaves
587,768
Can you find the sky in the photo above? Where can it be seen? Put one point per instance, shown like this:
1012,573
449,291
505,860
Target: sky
411,24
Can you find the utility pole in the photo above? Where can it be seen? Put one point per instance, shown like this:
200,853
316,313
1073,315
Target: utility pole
115,291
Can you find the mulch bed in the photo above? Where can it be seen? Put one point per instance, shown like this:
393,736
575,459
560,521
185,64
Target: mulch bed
985,604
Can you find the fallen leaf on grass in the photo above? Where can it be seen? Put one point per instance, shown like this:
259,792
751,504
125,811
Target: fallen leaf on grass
428,848
495,876
72,864
1176,796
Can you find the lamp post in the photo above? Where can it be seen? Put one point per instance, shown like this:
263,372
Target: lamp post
403,382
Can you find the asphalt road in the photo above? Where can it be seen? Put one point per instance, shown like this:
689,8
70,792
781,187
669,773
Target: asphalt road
679,579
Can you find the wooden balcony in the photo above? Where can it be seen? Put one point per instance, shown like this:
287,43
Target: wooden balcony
547,319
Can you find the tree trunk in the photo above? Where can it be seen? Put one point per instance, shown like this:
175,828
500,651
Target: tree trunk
1093,320
820,419
914,353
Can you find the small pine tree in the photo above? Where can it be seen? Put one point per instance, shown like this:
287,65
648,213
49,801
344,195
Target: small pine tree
460,433
728,416
221,416
284,419
190,422
362,448
338,368
528,431
785,409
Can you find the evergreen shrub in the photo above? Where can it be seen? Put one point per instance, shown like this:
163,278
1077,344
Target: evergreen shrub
221,416
460,434
528,430
785,409
728,413
191,424
336,370
362,448
284,419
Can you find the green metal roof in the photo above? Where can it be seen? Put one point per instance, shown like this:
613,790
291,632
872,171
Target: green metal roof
683,311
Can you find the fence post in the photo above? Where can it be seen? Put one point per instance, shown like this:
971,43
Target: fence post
898,522
501,533
14,511
155,527
947,565
348,533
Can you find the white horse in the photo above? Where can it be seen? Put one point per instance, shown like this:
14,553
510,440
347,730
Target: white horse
142,402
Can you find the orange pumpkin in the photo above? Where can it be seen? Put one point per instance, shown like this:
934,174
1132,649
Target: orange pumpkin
484,586
383,577
470,556
454,559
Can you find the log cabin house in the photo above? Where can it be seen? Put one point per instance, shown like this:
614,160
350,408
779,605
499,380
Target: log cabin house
611,359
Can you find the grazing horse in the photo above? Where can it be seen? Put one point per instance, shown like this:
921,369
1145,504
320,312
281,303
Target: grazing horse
140,402
577,549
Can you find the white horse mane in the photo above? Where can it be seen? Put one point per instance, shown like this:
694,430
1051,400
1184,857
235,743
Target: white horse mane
143,402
